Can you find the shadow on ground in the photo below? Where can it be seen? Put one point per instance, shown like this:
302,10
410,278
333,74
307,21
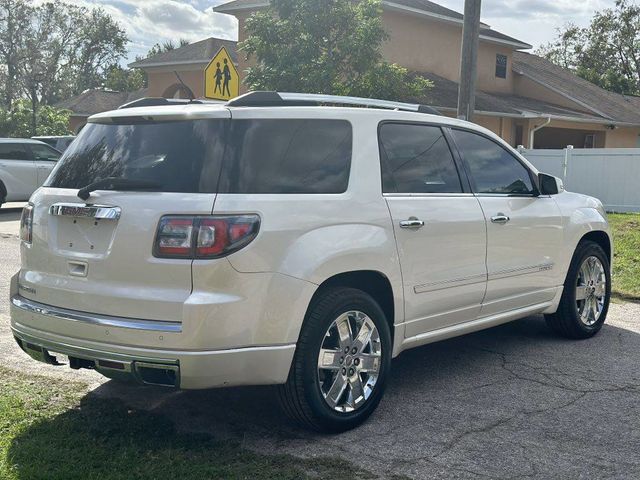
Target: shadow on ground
513,401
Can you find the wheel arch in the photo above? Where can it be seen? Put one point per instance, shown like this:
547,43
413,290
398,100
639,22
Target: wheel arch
374,283
3,191
601,238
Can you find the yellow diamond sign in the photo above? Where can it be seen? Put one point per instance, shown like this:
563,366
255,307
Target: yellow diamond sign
221,79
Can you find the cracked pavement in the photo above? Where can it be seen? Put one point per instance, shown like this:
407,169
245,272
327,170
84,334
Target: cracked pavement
511,402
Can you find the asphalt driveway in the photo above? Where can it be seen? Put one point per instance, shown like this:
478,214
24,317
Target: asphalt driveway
511,402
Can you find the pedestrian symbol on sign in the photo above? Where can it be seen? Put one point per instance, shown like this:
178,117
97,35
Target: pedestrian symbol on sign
221,80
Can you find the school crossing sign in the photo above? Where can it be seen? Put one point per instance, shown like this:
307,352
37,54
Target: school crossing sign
221,79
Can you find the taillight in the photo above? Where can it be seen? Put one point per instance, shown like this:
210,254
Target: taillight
202,237
26,224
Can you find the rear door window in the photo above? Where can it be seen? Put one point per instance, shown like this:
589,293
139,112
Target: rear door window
177,156
13,151
44,153
287,156
416,159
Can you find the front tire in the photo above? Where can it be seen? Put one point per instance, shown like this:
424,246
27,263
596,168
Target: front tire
586,296
341,363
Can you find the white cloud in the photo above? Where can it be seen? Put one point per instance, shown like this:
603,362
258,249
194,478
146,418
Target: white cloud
154,21
148,22
534,21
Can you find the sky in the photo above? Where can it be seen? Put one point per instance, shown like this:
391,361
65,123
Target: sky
153,21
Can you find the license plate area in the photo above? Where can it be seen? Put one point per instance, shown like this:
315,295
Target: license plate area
83,235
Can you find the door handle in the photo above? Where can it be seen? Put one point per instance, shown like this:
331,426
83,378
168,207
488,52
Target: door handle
412,223
501,219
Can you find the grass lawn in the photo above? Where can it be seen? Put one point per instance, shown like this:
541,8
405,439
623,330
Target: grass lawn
626,262
52,430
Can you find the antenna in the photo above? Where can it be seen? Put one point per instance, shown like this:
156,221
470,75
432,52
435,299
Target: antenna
187,89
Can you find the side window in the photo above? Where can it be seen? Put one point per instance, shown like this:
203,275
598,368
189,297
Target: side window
493,169
13,151
44,152
416,159
287,156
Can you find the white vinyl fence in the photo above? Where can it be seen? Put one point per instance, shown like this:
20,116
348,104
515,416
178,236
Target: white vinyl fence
610,174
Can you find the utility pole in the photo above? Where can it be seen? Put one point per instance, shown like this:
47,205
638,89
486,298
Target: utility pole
469,59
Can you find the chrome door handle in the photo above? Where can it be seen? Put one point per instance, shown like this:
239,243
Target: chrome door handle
501,219
412,223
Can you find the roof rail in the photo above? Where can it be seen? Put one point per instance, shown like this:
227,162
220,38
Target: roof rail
274,99
157,101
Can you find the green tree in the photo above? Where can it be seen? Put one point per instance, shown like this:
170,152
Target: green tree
15,18
607,52
125,80
17,122
325,46
53,50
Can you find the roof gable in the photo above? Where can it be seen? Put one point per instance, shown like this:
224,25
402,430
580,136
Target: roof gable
197,52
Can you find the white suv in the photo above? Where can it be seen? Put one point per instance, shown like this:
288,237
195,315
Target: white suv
24,166
270,241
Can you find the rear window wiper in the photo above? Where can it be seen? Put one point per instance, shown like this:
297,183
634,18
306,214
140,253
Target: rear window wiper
116,183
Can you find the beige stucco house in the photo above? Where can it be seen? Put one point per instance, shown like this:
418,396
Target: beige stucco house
522,97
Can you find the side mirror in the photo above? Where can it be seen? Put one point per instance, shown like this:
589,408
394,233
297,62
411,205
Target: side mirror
550,185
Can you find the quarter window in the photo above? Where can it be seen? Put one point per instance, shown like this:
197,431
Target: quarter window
493,169
287,156
416,159
12,151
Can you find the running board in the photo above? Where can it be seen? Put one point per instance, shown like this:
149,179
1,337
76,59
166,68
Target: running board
474,326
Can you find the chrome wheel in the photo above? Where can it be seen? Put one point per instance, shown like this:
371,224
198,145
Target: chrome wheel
349,361
591,291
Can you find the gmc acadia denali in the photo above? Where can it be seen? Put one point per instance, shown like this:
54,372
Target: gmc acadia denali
278,240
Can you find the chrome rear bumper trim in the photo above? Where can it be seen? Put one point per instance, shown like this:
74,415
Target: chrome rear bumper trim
31,306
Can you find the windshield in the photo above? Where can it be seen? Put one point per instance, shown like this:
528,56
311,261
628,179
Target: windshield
178,156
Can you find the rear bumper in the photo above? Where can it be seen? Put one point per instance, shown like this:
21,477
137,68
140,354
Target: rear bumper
188,369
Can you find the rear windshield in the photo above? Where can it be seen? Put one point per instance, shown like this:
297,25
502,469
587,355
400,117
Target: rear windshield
182,156
262,156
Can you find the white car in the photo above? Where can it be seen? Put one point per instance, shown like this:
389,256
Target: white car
271,241
59,142
24,166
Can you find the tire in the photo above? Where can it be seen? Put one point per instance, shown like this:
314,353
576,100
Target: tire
568,321
302,397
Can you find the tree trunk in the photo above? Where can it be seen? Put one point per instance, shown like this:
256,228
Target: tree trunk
34,107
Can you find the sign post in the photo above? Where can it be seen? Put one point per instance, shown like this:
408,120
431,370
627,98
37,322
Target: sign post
221,79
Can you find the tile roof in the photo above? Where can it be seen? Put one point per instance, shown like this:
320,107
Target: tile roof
197,52
424,6
98,100
604,104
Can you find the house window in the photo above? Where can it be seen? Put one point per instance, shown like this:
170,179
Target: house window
501,66
590,140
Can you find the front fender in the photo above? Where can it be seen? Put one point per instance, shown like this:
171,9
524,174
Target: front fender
580,222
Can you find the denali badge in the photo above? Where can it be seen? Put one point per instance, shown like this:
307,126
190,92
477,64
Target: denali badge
26,289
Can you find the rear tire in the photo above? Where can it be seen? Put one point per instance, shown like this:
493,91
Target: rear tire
330,389
3,194
587,292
